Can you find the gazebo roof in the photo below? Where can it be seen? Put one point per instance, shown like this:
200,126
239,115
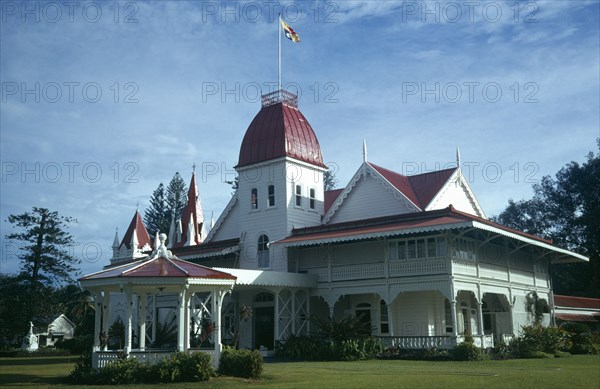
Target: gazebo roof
160,267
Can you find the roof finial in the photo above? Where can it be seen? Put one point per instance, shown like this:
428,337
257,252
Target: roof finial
194,168
457,157
364,150
137,206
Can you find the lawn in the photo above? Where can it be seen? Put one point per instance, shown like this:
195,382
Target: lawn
573,372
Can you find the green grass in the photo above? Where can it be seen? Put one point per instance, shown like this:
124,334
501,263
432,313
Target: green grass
573,372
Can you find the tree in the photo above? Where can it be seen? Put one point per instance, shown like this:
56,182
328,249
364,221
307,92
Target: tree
176,197
45,254
566,209
234,184
156,216
329,180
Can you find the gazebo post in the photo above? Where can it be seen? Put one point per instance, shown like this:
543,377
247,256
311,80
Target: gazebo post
128,303
105,313
97,318
218,303
182,322
143,302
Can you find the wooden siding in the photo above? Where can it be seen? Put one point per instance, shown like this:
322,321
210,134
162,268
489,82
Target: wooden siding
455,193
230,226
368,199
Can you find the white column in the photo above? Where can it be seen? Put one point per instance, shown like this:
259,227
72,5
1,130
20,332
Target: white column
453,315
105,314
181,327
293,293
143,302
480,317
188,318
128,326
154,318
390,319
218,296
276,315
97,320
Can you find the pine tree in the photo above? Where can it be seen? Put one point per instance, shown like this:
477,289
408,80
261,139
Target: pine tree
156,216
176,197
45,253
329,180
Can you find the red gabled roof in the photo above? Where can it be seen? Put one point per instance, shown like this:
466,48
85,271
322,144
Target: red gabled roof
420,188
330,197
427,185
137,225
160,267
280,130
439,217
576,302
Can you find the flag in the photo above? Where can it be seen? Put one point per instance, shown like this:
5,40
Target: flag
289,31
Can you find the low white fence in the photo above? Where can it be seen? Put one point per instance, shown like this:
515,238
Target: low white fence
440,342
102,358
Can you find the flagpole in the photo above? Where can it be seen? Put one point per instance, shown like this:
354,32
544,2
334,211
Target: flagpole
279,54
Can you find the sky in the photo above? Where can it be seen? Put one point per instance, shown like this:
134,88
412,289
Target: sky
102,101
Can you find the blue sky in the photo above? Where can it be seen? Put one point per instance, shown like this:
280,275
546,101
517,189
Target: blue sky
102,101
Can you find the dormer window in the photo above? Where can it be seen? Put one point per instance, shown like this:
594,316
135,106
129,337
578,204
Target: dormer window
271,196
298,196
311,197
254,198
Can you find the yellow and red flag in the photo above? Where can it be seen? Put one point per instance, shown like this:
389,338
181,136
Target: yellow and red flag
289,31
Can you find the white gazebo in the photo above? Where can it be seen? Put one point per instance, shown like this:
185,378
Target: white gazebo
160,274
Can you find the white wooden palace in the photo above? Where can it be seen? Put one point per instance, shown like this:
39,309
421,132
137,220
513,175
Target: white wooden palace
415,256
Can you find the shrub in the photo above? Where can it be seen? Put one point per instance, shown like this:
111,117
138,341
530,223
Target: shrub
41,352
183,367
317,349
77,345
180,367
241,363
534,339
583,341
432,354
467,351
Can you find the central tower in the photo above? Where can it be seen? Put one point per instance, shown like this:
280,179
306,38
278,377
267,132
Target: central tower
280,187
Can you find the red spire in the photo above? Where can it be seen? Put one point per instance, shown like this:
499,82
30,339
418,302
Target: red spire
141,234
192,219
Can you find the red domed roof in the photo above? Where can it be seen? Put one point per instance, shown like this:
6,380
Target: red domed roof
280,130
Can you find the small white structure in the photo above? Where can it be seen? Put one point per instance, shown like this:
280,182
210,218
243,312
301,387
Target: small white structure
30,341
60,328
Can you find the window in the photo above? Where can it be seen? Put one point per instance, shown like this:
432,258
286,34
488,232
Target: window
421,248
298,196
385,327
417,248
271,198
254,198
448,316
311,195
263,251
464,249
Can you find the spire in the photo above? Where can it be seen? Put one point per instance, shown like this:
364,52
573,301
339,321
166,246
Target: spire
457,157
172,232
136,232
190,228
115,244
156,241
134,240
364,150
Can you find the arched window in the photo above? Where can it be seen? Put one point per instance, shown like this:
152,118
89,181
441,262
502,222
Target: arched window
263,251
254,198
